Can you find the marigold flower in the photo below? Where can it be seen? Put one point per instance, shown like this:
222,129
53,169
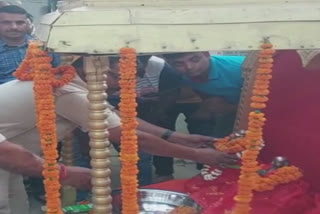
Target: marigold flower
36,66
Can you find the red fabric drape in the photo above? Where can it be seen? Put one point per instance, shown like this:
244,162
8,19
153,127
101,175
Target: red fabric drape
293,116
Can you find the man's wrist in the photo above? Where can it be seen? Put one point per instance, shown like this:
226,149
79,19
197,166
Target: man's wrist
194,154
167,134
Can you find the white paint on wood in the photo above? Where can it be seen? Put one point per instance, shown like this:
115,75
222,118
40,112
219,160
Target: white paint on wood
98,17
102,27
172,38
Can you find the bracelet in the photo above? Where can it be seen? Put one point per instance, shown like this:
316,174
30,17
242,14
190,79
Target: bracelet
63,172
167,134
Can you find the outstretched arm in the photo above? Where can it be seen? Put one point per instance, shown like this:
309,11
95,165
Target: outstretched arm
157,146
15,158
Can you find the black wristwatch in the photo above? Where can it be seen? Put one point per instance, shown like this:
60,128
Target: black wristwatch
166,134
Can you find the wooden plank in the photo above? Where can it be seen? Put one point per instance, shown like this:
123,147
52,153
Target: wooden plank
179,38
50,18
65,5
97,17
192,2
43,32
248,72
271,12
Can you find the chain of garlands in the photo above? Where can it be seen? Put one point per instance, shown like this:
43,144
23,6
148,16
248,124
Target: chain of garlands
36,66
253,137
129,147
236,145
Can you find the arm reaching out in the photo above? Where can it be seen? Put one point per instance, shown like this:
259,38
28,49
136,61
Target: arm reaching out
158,146
15,158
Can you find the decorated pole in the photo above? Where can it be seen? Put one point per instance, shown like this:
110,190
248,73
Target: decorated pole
36,67
253,139
99,143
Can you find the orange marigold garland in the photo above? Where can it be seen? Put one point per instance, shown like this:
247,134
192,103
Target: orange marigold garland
36,66
236,144
129,147
253,138
282,175
229,145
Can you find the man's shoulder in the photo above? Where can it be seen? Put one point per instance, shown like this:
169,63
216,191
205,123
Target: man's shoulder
2,43
29,37
227,65
225,59
2,46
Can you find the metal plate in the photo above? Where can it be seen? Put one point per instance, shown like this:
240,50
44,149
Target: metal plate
154,201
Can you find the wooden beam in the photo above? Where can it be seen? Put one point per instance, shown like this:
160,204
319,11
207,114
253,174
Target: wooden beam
107,39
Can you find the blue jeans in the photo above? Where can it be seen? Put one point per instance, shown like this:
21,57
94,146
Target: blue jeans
79,159
144,167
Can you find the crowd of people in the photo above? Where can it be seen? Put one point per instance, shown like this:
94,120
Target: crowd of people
205,88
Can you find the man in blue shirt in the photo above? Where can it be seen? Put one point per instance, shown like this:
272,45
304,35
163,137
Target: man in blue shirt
217,80
14,30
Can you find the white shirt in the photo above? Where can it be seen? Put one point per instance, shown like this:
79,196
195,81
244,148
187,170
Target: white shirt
150,80
17,115
2,138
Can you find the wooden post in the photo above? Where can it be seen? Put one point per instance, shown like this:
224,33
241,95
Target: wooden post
99,143
248,73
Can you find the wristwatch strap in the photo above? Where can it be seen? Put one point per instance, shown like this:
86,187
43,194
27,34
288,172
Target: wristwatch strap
166,134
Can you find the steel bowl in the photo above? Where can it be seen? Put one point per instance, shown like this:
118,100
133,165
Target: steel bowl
157,201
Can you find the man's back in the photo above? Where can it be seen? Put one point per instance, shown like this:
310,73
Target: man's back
17,121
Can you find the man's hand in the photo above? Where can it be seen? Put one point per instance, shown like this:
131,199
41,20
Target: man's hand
77,177
200,141
214,157
192,140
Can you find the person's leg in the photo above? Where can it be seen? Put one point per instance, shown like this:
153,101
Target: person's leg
80,158
145,168
164,167
18,198
224,125
4,192
201,127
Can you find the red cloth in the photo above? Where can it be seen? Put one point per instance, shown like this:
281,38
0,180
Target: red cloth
293,116
173,185
217,196
315,208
